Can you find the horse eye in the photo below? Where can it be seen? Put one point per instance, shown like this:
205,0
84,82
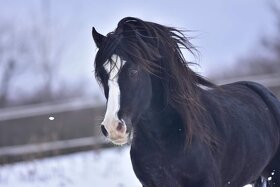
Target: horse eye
132,73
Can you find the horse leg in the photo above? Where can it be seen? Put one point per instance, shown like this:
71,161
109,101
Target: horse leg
271,174
258,182
261,182
272,171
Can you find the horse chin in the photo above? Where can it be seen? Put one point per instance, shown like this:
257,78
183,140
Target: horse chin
127,139
121,141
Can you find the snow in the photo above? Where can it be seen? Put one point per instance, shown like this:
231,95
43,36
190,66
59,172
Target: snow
109,167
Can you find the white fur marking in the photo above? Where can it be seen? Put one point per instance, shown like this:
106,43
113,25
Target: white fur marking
113,103
111,119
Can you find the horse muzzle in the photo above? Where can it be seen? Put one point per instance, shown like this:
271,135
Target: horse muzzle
115,131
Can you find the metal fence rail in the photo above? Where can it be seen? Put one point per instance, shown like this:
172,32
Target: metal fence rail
46,108
270,80
51,146
39,150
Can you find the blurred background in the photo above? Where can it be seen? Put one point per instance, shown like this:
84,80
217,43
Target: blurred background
51,105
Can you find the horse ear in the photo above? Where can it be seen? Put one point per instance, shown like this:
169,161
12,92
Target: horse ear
97,37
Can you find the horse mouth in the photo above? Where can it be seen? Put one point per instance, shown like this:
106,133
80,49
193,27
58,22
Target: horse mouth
119,140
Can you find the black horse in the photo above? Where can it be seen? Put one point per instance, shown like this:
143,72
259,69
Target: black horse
184,130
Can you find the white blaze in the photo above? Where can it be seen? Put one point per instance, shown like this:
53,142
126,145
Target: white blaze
111,119
113,103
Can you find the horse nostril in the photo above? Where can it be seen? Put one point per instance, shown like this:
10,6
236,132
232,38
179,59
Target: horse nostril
120,126
104,131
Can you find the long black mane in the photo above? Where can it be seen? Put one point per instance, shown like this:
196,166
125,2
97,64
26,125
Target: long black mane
243,118
157,49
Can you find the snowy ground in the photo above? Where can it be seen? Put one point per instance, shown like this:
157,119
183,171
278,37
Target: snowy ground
110,167
106,168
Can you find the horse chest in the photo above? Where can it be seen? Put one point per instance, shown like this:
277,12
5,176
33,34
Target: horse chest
152,168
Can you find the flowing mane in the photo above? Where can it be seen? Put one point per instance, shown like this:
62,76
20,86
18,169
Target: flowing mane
183,135
157,49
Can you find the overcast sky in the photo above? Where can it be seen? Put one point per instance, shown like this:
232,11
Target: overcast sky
224,29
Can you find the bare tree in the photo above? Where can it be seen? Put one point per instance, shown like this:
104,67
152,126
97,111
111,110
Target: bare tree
49,46
273,43
37,49
11,63
267,58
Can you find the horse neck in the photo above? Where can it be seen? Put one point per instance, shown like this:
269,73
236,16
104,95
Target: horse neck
160,119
